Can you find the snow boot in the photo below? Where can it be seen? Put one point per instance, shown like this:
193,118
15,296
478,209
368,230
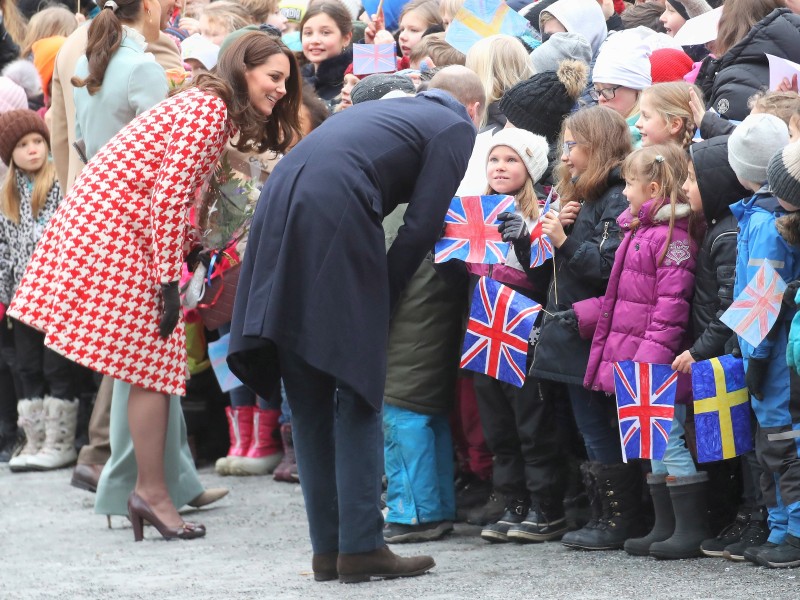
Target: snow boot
784,555
60,422
731,534
618,487
240,430
287,468
31,420
754,534
689,502
665,518
516,510
264,452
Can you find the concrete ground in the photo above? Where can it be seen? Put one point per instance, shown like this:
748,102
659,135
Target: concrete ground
52,545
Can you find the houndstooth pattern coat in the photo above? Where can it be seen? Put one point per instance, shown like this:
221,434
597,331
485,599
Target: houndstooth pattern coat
93,284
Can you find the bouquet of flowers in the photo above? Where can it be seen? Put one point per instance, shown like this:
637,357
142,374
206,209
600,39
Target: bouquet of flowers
222,215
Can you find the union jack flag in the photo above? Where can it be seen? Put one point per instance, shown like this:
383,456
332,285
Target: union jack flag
541,246
756,309
500,323
645,405
470,230
374,58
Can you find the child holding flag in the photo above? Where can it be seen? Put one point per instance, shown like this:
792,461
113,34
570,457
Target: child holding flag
644,317
519,427
773,387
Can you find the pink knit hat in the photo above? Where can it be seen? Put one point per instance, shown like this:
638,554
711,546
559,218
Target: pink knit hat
12,96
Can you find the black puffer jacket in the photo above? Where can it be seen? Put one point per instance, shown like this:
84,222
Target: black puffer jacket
328,78
583,265
9,51
716,261
728,82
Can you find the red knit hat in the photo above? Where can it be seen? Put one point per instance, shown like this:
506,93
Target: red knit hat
619,6
669,64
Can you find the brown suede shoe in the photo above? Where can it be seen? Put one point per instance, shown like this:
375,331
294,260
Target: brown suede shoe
85,477
381,563
324,566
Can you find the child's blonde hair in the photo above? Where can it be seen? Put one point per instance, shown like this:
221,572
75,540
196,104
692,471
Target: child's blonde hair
230,15
440,52
43,181
449,8
671,100
526,200
781,104
260,10
428,10
501,62
666,165
50,22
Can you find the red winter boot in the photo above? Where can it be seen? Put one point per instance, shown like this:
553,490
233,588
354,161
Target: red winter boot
240,429
264,453
287,469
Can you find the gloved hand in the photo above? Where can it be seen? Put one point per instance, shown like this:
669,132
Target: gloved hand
171,308
514,230
754,377
197,255
790,293
793,345
567,318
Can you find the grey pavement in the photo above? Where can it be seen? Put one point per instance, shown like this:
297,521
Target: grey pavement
52,545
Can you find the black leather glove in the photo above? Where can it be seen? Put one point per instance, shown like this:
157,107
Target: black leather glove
514,230
171,308
196,256
754,378
567,318
790,293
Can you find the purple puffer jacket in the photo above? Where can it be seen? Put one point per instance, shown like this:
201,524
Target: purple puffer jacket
644,315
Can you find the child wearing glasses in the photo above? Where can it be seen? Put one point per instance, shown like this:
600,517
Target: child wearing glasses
585,236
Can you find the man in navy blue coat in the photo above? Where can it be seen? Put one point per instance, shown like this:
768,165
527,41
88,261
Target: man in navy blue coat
317,289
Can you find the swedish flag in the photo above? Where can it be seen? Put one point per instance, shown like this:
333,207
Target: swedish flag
721,409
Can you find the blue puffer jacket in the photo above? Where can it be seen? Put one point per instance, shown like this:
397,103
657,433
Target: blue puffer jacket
759,241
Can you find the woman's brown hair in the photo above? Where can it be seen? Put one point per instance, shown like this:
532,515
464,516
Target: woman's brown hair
257,133
738,18
335,9
607,140
105,37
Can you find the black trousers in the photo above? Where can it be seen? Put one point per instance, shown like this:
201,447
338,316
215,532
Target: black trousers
521,430
42,370
338,442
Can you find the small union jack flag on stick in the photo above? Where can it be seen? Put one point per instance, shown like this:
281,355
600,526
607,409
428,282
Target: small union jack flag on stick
756,309
470,230
374,58
541,246
500,323
645,405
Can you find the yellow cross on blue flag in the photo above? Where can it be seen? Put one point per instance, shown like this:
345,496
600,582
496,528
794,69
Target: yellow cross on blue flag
721,409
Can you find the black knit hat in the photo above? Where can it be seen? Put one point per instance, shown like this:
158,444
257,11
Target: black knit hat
15,125
377,86
783,174
540,103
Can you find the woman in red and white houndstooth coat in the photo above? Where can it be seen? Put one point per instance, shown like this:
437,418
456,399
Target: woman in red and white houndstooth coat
102,283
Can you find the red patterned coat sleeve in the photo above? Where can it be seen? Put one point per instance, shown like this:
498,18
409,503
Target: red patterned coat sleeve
198,138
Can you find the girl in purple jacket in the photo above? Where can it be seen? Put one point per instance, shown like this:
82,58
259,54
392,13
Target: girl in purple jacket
644,317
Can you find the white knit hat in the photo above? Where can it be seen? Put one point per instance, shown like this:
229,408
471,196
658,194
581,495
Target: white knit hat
753,143
624,60
12,96
201,49
532,149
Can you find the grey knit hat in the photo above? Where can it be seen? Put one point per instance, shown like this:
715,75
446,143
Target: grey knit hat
753,143
783,174
377,86
560,46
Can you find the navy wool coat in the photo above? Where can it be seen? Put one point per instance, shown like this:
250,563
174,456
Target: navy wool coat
316,279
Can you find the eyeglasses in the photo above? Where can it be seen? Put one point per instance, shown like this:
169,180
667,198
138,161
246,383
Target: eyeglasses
568,146
607,93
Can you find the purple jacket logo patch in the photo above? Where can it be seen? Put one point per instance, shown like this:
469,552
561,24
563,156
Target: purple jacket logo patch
678,252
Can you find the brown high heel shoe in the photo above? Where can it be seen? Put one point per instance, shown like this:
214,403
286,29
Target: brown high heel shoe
139,511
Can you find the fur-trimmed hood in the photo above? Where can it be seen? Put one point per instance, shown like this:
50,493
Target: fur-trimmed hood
662,215
24,74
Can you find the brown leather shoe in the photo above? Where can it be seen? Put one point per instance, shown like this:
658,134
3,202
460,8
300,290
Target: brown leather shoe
85,477
208,496
324,566
381,563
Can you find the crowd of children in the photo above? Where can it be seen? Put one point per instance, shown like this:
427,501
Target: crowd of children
672,175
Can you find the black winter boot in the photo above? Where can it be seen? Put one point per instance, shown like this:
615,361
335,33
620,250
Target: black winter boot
595,506
618,488
691,518
665,518
731,534
784,555
516,510
755,534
